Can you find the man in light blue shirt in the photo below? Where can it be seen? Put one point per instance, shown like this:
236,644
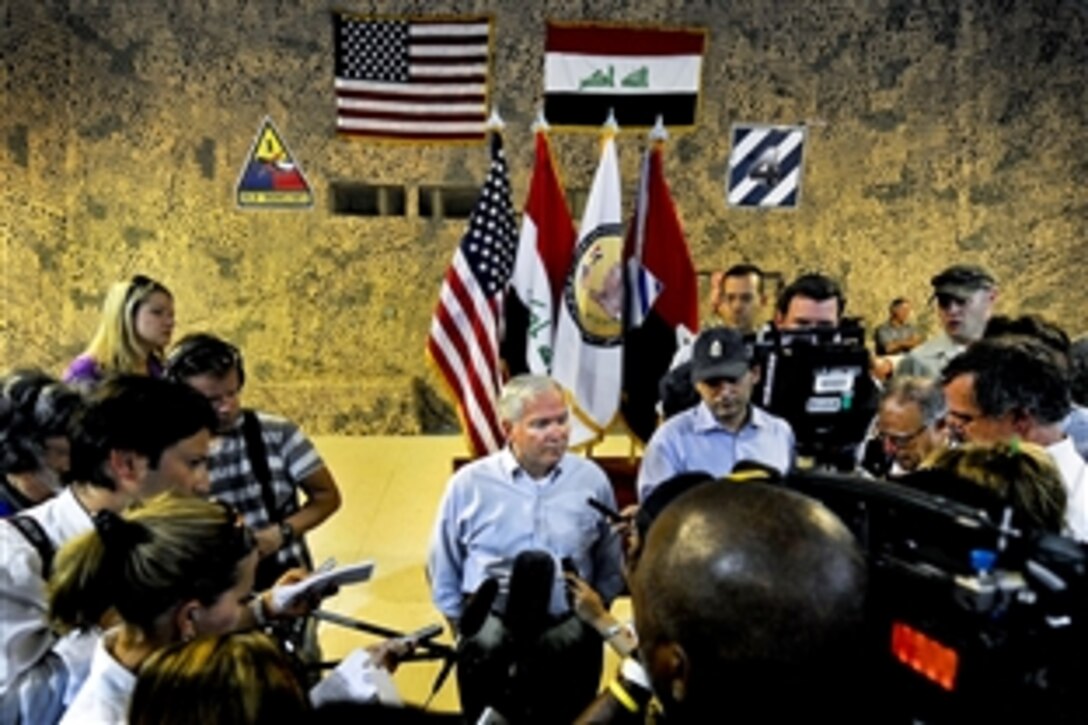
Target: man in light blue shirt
529,497
725,427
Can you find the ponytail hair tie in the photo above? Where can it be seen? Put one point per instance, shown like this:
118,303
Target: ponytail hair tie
1014,445
117,534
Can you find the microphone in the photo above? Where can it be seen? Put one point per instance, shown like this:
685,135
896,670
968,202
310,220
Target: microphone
475,613
478,606
531,583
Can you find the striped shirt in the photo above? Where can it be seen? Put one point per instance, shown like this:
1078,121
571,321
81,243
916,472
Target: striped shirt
291,458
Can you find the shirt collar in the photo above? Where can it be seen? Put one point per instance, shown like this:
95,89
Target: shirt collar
705,420
514,471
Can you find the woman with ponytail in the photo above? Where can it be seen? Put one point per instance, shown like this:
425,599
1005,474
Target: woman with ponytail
163,572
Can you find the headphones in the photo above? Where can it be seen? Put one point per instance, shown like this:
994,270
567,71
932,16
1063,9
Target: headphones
200,353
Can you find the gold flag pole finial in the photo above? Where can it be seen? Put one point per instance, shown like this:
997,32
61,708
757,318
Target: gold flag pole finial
494,121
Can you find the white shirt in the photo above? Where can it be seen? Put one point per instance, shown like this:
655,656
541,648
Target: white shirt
28,666
1075,477
105,696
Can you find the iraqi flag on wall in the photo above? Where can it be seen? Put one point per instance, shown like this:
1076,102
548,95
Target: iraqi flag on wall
545,250
589,334
640,72
663,305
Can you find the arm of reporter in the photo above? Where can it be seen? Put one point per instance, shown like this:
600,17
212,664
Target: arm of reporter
262,607
590,608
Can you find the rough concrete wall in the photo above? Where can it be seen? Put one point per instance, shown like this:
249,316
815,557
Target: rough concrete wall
939,131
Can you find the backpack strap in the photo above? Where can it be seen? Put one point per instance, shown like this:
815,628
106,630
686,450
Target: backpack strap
257,453
33,532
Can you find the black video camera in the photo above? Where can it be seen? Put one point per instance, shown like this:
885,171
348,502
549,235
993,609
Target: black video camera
974,617
818,380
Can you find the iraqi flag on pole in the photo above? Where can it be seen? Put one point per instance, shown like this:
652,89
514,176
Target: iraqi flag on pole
545,250
640,72
663,305
589,334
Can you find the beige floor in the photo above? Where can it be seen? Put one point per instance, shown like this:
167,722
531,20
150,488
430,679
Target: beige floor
391,487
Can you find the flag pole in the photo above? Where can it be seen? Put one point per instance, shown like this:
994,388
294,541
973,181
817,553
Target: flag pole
658,132
541,123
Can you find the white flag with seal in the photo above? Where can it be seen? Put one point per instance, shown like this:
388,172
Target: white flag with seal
589,336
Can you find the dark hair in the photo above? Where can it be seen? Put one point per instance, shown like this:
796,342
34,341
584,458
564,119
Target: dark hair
156,556
134,413
814,286
743,270
1033,326
202,353
1078,370
33,406
896,302
1014,373
241,678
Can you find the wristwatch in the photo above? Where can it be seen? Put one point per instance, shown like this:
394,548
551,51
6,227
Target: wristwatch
287,534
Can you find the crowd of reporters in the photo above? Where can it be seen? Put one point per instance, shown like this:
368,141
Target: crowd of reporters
129,594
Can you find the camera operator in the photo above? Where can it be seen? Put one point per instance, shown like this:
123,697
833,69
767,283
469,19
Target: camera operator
811,300
749,603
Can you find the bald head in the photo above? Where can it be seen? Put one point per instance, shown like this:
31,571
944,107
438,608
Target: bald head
746,584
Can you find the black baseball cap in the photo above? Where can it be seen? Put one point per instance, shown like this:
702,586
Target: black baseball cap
720,352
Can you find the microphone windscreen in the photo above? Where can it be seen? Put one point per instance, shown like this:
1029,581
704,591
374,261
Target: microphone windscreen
531,583
478,606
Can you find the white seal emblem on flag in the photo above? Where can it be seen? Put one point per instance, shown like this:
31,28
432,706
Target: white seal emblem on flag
594,291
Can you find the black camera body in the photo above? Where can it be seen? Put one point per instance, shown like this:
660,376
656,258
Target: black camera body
972,619
818,380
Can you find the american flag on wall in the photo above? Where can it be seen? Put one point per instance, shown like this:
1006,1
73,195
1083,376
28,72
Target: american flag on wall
464,337
412,79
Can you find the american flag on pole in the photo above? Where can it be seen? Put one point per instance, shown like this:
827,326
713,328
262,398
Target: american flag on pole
412,79
464,338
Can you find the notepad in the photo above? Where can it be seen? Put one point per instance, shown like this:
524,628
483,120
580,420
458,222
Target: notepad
321,581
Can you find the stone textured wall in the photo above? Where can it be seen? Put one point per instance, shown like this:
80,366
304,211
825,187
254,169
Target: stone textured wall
939,131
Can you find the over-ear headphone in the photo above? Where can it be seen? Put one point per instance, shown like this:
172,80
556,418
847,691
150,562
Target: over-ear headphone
201,353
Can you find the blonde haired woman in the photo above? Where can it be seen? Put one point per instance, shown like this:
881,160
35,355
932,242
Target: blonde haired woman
1021,474
135,328
230,679
167,572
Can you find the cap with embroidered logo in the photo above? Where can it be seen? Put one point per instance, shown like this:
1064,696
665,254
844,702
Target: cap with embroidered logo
720,352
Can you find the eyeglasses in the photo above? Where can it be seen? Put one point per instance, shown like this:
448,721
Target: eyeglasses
899,440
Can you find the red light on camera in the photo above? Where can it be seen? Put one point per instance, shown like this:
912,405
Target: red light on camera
925,655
